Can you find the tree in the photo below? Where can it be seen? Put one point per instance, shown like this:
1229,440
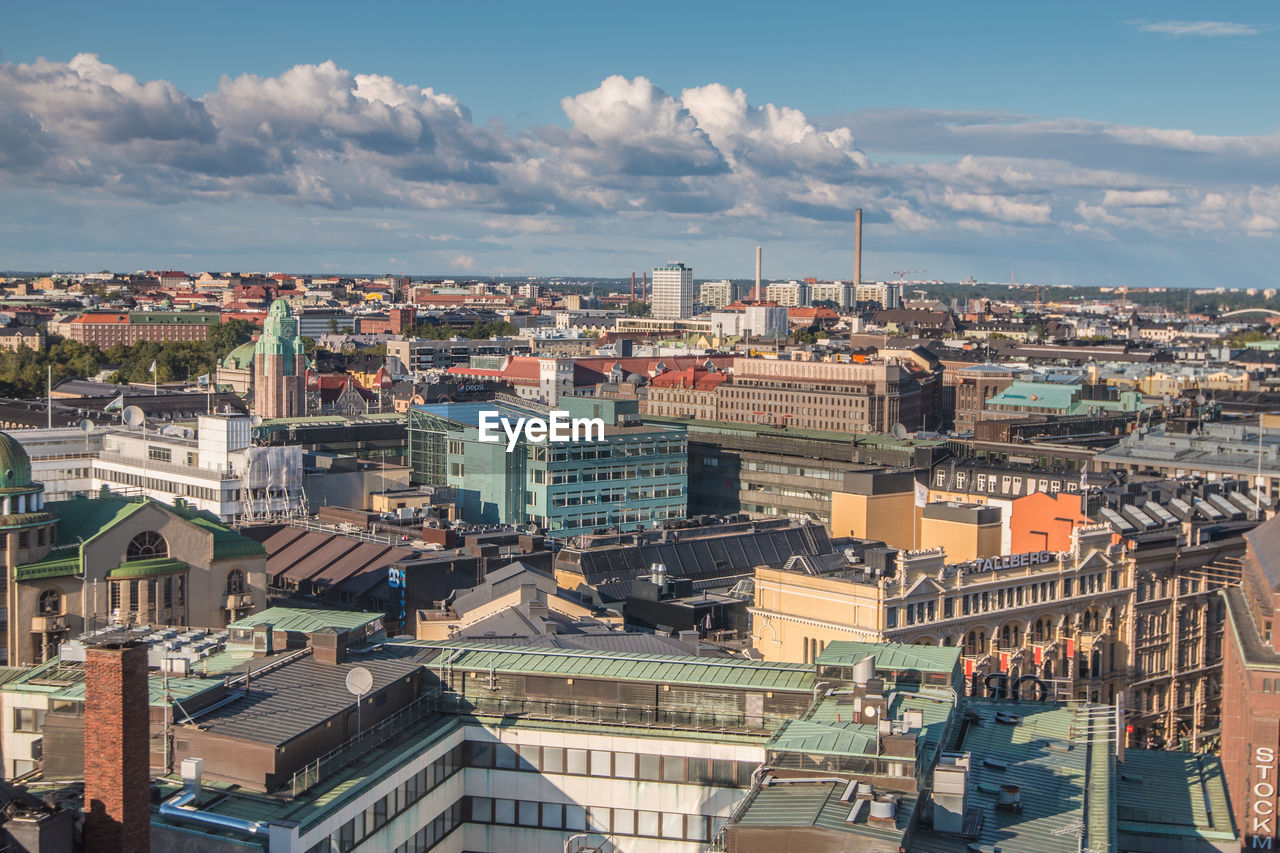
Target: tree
636,308
333,324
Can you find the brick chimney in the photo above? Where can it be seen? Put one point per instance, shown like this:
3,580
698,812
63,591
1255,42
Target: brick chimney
117,772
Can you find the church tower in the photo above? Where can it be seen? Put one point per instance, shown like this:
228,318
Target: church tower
279,366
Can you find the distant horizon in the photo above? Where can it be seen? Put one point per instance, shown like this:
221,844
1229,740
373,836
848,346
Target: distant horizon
1066,144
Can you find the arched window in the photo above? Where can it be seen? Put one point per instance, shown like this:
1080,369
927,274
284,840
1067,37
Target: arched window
147,546
50,602
235,582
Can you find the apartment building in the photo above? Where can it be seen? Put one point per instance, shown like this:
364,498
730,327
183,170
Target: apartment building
673,293
106,330
869,397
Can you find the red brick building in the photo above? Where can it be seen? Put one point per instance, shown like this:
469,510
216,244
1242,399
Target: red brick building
107,330
1251,691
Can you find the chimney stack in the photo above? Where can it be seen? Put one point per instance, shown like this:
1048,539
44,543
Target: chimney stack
633,287
117,749
857,247
759,255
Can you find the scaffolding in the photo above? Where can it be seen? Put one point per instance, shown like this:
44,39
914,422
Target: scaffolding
271,485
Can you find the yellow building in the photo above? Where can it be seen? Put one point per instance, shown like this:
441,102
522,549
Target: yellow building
963,531
877,505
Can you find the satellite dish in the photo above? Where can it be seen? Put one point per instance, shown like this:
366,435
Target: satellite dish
86,425
359,681
899,431
531,529
1200,399
133,416
256,420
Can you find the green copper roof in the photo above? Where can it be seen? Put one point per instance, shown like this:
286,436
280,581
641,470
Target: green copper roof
147,568
892,656
307,621
15,464
240,358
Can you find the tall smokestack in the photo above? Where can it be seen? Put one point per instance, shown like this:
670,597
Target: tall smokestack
117,751
759,257
644,287
633,287
857,247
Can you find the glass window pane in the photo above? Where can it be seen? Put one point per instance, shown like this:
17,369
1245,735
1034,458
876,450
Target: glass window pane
650,767
695,828
482,809
505,757
528,813
624,822
673,768
722,773
553,816
575,817
624,765
598,819
552,759
481,755
600,761
504,811
528,758
576,761
647,823
672,825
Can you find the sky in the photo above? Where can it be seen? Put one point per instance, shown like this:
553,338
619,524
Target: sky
1084,143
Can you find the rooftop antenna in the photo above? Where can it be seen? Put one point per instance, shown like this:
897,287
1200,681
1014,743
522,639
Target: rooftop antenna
359,682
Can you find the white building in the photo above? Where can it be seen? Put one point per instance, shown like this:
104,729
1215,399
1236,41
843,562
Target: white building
61,458
839,292
715,294
791,294
673,293
214,468
888,294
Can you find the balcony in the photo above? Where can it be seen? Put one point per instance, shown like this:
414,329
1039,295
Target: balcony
48,624
239,600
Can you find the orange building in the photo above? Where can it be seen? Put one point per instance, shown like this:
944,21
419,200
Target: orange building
1044,522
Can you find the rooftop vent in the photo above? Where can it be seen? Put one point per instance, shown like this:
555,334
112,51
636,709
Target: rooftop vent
1009,799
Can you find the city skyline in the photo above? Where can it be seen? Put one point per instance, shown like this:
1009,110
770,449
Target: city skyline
1129,149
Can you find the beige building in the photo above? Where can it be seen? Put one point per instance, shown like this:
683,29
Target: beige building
1062,617
83,563
878,505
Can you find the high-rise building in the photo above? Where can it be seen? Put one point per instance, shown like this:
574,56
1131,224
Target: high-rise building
279,365
791,294
673,293
716,294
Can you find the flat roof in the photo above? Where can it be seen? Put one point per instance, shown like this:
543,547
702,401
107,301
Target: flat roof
624,666
307,621
941,659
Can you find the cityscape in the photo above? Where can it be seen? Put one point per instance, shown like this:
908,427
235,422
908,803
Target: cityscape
404,449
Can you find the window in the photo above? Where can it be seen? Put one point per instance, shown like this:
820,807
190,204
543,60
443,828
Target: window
159,454
50,602
147,545
235,582
28,720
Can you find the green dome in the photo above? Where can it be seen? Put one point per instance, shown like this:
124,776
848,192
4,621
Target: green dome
15,464
239,358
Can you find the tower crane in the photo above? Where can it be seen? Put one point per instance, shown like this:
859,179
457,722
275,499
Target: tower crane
902,274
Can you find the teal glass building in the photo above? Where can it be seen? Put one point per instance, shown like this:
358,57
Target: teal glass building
635,476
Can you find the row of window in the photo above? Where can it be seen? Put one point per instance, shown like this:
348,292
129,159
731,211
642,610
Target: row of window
605,496
24,538
604,820
677,769
126,478
1003,598
406,794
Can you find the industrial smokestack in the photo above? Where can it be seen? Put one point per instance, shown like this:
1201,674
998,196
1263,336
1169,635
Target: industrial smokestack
759,256
633,287
857,247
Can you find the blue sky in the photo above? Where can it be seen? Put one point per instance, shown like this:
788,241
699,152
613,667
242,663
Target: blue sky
1086,142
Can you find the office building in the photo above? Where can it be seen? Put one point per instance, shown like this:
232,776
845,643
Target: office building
673,293
485,746
634,476
717,294
1211,450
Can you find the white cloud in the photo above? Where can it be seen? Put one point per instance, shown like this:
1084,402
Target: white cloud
1138,198
998,207
1198,28
463,262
